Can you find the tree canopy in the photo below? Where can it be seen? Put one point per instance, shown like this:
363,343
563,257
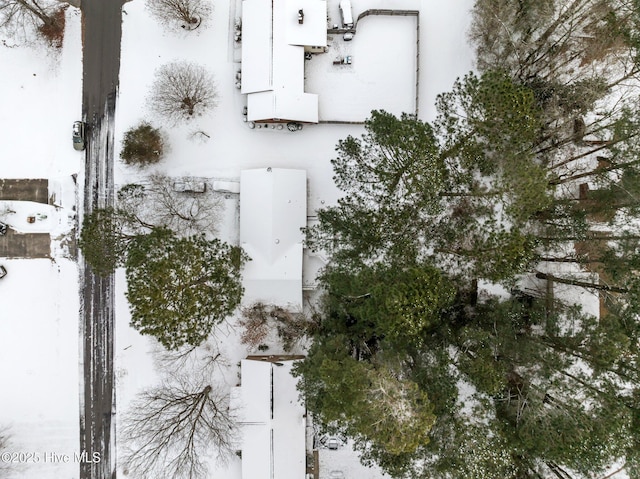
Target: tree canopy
104,239
499,187
180,288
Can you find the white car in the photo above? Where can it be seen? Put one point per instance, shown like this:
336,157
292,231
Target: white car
333,443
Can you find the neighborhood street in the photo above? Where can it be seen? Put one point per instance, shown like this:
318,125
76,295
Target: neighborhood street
101,32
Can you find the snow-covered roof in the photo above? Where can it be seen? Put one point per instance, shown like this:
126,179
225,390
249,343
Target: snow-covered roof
272,421
257,44
313,30
272,105
273,209
273,43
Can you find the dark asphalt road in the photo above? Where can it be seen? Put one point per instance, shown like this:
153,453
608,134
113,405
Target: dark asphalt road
101,33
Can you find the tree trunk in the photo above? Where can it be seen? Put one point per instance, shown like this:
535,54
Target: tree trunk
597,171
583,284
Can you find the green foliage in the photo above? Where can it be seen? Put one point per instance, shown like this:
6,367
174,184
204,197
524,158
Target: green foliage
369,403
142,145
473,450
486,251
561,400
400,304
179,288
488,122
103,240
519,388
391,178
567,100
549,387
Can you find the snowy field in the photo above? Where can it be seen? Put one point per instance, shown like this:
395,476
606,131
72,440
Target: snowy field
40,93
39,363
41,97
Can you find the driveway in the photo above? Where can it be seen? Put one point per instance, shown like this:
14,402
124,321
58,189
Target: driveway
25,245
25,190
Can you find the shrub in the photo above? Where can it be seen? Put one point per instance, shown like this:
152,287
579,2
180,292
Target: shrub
142,145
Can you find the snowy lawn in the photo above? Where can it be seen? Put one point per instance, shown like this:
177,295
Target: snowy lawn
39,362
40,93
41,97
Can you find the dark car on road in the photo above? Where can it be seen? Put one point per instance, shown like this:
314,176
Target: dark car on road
78,135
3,228
3,272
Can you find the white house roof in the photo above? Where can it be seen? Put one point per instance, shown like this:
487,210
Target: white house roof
273,209
272,421
257,45
283,105
273,57
313,30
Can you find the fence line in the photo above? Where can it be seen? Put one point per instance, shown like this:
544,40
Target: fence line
403,13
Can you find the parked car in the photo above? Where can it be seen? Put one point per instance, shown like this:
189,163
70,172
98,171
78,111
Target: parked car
333,443
3,271
78,135
3,228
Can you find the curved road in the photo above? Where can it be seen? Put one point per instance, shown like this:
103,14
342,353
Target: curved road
101,32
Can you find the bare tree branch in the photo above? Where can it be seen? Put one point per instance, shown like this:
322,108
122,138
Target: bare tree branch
21,19
171,430
157,202
204,359
185,14
182,91
259,319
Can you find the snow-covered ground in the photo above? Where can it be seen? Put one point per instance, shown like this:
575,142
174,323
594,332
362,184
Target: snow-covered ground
41,97
382,74
39,369
40,93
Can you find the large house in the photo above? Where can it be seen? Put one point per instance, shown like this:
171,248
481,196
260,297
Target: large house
273,211
274,36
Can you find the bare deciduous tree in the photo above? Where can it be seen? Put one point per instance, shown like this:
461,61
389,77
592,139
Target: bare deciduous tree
204,359
171,429
185,14
182,91
21,18
158,203
557,40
